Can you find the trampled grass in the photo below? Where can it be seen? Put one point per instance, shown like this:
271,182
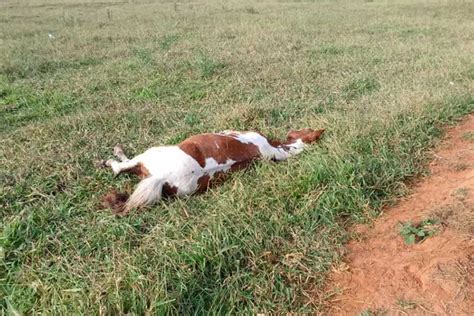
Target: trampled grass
78,77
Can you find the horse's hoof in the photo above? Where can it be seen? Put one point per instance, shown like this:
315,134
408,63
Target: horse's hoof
118,150
101,164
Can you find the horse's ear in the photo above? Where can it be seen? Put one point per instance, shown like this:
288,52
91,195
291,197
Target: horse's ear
313,136
320,132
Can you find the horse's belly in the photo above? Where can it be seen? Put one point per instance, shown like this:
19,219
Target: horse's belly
182,174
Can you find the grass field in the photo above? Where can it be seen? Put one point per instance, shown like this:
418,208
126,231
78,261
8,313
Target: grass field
381,76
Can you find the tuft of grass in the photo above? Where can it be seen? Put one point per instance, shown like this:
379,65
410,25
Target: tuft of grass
374,312
208,66
192,119
407,304
251,10
419,232
145,55
457,215
469,136
461,193
167,41
359,87
329,50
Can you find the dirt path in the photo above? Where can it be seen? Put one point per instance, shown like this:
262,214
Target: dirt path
384,276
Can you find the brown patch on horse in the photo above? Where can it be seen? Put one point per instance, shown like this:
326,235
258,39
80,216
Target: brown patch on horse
169,190
139,170
204,183
114,200
306,135
207,181
219,147
272,142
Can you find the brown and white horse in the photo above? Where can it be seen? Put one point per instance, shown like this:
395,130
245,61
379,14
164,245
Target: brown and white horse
197,163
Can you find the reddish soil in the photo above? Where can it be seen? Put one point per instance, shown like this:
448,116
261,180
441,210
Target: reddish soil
381,275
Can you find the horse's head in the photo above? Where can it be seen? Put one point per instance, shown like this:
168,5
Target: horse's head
306,135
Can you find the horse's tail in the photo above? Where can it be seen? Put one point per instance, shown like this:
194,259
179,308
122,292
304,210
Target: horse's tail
147,192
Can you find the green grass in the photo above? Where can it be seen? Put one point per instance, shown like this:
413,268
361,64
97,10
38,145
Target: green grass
381,77
417,233
469,136
407,304
373,312
360,87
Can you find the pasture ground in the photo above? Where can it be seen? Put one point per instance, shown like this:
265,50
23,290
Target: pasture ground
383,274
78,77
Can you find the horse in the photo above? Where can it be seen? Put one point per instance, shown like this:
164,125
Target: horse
197,163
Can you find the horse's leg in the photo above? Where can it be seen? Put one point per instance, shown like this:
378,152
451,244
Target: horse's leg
119,167
283,152
118,152
294,144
